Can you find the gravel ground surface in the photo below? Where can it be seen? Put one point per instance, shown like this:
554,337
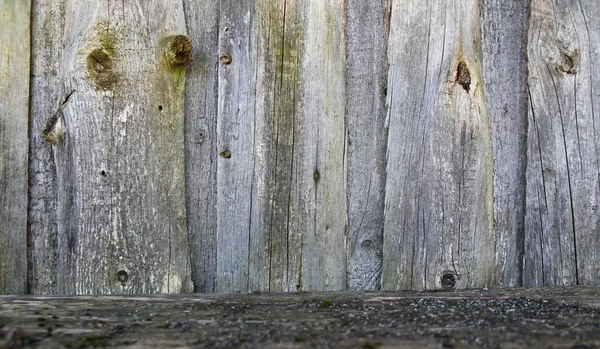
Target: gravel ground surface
516,318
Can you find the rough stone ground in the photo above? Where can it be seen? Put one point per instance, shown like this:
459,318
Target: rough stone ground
516,318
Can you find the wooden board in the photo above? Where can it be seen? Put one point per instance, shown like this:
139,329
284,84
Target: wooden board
439,205
504,40
202,22
280,175
47,27
14,109
366,74
119,151
562,221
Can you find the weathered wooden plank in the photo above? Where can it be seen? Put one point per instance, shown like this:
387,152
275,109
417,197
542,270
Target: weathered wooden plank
14,121
235,143
504,27
47,28
202,18
439,206
274,252
366,61
562,221
281,186
322,168
118,146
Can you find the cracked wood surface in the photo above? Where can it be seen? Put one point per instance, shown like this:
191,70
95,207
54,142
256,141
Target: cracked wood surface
439,189
14,108
563,184
326,145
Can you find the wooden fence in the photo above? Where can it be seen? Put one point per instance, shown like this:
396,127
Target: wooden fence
293,145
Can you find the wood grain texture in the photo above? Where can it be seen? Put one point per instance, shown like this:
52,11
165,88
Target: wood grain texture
47,32
562,221
322,148
366,55
14,108
120,162
202,19
281,182
439,206
504,43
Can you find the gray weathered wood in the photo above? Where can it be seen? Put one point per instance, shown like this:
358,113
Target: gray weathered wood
366,47
118,147
562,221
439,205
47,32
14,107
321,171
202,19
281,202
504,27
235,143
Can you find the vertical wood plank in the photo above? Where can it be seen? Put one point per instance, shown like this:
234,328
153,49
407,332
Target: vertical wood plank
439,225
504,26
202,19
366,47
14,121
322,168
119,150
47,28
562,221
235,143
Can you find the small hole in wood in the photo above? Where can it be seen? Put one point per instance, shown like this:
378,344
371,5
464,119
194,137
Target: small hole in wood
160,108
122,277
463,76
448,281
225,59
103,173
226,154
317,176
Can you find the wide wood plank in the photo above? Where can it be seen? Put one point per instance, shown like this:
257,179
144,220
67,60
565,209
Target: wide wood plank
504,29
118,144
439,206
14,120
366,61
563,187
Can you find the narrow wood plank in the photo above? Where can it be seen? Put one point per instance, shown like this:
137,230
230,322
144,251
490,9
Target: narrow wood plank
366,47
47,27
321,176
202,19
14,121
504,27
563,190
439,205
278,54
235,143
118,144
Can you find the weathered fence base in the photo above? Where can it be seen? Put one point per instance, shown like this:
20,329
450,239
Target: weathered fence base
516,318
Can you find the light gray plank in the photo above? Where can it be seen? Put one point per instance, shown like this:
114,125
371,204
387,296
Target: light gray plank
47,27
504,28
439,205
202,20
14,111
120,162
321,172
366,35
562,222
235,143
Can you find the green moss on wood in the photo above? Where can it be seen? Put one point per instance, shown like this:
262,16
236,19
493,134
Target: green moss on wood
100,60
